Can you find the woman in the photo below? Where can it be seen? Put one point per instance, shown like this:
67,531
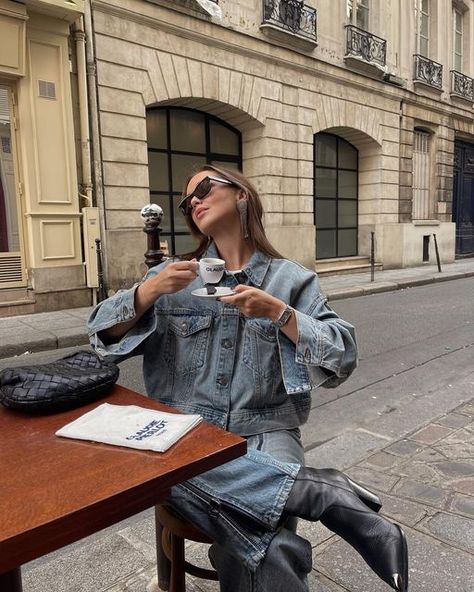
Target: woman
247,362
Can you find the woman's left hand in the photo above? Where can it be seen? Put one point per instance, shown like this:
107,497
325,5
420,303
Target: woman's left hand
253,302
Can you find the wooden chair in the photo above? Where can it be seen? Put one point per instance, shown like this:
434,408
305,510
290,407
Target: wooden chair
171,533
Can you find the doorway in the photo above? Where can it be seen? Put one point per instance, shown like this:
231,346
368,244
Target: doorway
463,198
12,264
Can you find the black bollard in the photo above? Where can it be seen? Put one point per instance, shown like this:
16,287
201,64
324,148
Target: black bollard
152,215
101,290
437,253
372,256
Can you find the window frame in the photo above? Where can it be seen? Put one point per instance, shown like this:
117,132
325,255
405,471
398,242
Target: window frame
455,55
336,199
352,13
210,158
418,33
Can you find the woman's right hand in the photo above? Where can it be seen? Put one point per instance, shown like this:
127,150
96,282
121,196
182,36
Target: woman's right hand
174,277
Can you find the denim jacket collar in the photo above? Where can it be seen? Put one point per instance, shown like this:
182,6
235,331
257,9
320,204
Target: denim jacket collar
256,269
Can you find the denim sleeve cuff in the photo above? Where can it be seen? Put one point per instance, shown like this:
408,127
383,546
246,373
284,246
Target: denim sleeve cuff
310,343
118,309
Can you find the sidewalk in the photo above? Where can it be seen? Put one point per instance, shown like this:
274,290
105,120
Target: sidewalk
424,476
66,328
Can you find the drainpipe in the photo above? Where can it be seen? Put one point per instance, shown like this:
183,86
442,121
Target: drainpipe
94,126
80,39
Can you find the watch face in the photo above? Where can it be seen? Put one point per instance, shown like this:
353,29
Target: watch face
285,315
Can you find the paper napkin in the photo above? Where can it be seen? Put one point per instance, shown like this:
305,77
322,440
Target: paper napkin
131,426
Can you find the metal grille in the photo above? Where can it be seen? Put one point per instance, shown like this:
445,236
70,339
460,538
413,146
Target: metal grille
46,90
428,71
365,45
462,85
11,272
421,176
291,15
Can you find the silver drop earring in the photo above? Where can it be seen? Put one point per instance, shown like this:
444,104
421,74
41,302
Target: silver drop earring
242,206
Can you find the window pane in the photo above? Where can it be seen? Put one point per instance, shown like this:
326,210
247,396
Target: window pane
458,63
347,243
458,44
346,213
458,20
325,183
158,171
156,128
187,131
164,202
325,150
223,140
347,184
350,10
182,167
424,27
347,156
424,47
185,244
325,213
225,164
325,244
363,17
179,220
425,6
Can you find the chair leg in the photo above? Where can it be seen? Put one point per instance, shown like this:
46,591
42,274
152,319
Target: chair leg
178,575
163,564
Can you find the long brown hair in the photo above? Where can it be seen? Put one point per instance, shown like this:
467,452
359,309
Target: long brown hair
257,237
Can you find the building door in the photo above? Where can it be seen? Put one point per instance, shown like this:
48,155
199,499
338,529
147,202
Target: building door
180,139
463,198
336,171
12,264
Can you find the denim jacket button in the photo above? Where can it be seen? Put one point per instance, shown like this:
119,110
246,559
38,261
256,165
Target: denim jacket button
227,343
222,380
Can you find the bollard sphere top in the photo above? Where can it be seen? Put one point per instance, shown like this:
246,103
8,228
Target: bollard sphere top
152,213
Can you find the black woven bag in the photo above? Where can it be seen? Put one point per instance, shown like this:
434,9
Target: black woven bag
56,386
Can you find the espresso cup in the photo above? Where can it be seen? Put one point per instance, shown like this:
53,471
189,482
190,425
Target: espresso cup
211,270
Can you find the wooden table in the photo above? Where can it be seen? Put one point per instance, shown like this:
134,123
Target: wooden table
55,491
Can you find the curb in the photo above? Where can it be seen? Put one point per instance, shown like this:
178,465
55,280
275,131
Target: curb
378,287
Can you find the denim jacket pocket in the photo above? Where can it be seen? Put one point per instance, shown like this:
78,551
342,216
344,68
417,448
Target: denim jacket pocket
261,348
186,342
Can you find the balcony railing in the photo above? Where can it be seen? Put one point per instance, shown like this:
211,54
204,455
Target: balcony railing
291,15
462,85
428,71
364,45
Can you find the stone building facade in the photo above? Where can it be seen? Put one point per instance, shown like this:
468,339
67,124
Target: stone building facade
353,120
281,75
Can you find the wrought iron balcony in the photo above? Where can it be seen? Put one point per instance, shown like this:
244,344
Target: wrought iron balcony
365,46
428,71
292,16
462,85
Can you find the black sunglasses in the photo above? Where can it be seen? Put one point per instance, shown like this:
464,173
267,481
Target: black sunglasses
201,191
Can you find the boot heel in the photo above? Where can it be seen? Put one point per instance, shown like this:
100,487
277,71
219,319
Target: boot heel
370,499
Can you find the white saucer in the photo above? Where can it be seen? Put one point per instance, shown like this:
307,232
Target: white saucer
220,291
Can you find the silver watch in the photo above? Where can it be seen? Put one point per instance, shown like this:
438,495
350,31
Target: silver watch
284,317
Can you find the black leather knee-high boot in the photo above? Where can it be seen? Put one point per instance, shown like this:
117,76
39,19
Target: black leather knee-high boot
347,509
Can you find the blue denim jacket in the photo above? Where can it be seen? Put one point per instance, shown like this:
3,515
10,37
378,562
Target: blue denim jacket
242,374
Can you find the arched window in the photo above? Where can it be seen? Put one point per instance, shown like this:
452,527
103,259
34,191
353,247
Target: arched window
335,196
179,140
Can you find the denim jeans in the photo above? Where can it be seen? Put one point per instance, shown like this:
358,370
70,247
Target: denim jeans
239,505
